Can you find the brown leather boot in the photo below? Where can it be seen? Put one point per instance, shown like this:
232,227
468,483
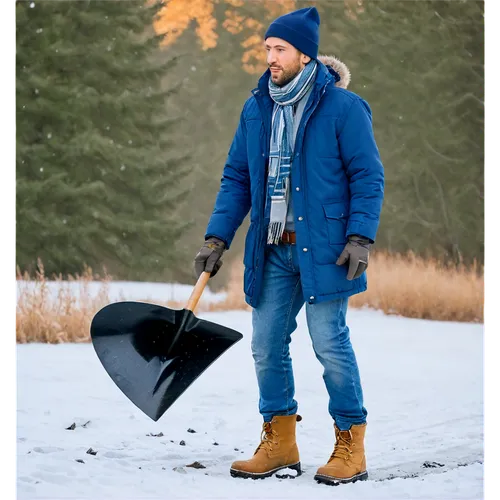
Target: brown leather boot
347,464
277,450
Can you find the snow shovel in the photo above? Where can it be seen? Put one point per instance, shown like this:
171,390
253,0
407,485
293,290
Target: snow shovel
153,353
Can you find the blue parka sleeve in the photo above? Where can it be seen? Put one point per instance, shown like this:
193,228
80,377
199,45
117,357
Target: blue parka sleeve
233,200
364,170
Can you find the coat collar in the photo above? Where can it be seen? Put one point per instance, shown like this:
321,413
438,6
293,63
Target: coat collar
325,75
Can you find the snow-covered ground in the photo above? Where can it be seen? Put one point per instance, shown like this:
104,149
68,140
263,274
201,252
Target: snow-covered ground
423,386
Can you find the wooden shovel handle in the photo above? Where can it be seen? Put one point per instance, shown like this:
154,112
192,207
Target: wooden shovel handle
198,290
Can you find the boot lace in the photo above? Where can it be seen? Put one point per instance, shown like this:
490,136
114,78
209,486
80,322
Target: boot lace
343,447
267,437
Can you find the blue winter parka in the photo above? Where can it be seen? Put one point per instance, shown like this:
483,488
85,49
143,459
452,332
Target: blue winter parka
337,184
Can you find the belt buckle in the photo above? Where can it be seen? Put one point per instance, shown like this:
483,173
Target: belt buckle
286,238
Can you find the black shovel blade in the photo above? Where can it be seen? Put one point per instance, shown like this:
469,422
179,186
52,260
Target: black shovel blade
153,353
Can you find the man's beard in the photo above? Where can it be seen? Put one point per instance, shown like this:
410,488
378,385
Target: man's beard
287,75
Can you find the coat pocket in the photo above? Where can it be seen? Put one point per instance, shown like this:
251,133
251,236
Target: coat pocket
250,242
248,260
336,221
249,281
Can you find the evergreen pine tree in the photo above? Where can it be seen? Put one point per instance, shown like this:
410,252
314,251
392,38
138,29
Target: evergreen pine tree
420,65
98,181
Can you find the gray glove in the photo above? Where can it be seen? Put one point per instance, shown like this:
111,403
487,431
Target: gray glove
356,252
209,257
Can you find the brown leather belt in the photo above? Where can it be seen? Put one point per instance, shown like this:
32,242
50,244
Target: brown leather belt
288,238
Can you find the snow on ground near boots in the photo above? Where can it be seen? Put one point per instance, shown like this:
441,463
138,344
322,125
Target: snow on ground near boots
423,385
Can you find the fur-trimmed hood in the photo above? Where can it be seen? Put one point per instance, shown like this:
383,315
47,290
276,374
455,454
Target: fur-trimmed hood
339,67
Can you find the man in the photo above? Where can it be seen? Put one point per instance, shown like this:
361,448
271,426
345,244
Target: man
305,163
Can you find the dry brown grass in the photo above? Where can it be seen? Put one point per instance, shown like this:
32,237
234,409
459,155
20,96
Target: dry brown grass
413,287
65,316
405,285
41,317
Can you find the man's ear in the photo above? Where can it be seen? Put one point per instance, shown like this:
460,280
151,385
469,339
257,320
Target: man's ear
304,59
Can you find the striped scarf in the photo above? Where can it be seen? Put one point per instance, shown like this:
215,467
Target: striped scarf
282,145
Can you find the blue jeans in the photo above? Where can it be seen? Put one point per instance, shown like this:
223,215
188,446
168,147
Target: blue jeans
274,321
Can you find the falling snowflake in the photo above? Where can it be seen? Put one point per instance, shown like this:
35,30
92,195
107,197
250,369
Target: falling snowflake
123,167
32,5
41,169
49,135
39,30
64,221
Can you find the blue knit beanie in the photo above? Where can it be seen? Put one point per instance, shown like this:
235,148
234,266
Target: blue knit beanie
300,28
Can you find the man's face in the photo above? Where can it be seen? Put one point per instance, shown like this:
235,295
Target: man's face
284,60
